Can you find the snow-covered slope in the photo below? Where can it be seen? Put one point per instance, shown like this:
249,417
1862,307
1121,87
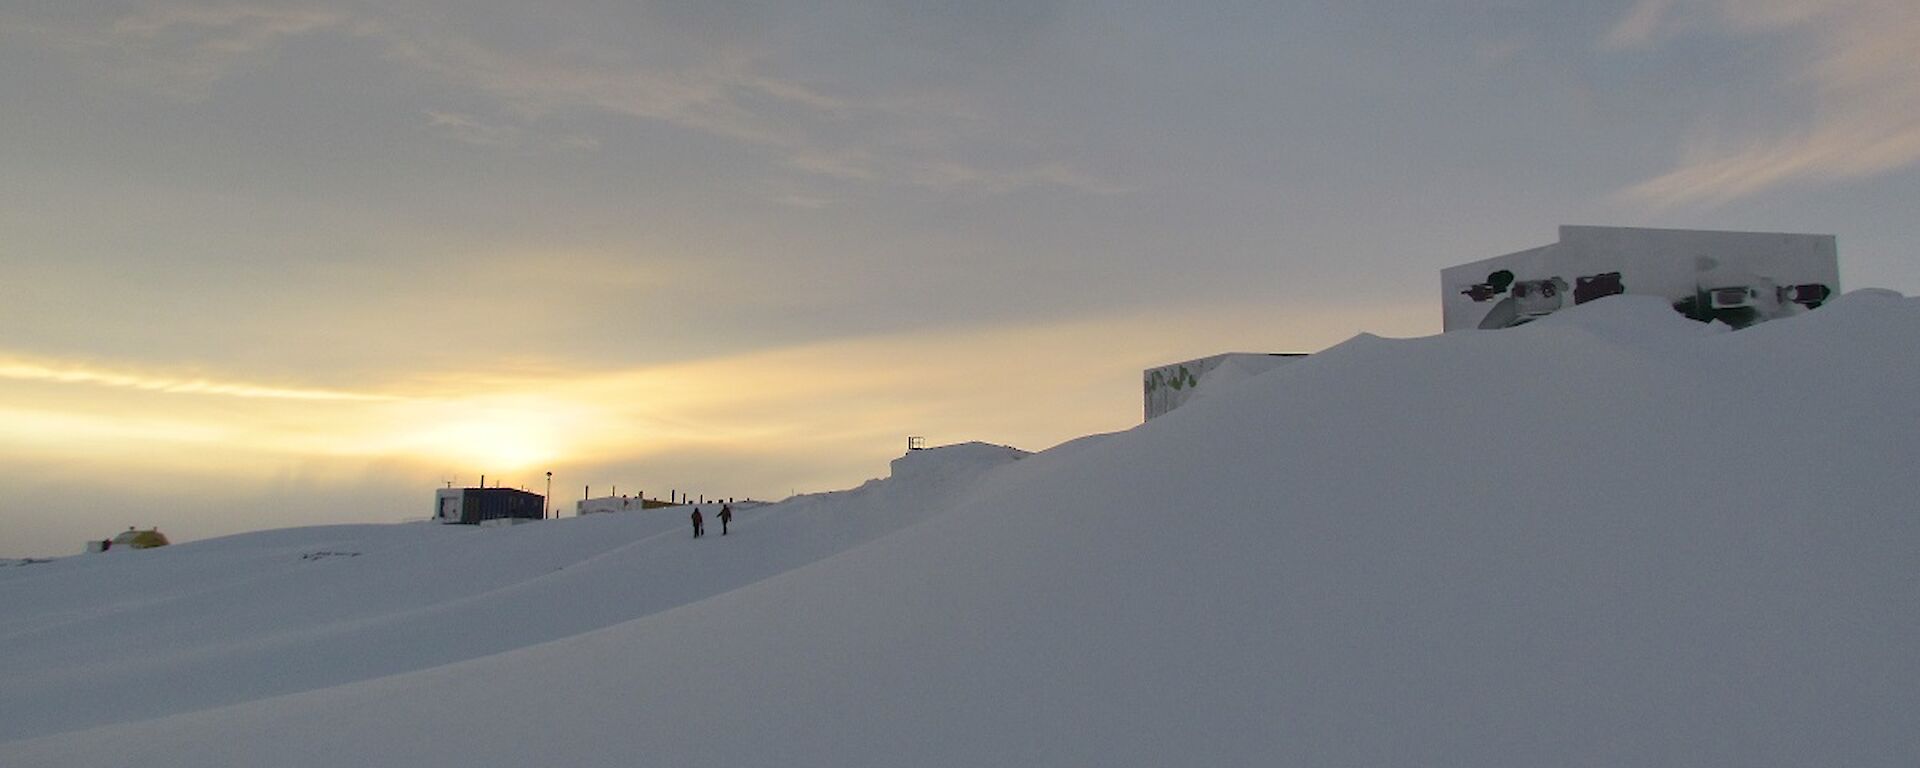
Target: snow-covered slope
1611,537
136,634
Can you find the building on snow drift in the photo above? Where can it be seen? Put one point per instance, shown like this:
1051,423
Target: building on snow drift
1170,386
1738,278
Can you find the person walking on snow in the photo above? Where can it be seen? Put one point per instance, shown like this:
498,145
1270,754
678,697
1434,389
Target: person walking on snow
697,529
726,516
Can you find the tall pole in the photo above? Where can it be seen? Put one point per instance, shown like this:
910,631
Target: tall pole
549,499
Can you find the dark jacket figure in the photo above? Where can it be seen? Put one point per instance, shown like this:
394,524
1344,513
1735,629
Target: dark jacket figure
697,528
726,516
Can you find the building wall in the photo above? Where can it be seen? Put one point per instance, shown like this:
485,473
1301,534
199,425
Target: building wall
447,503
1170,386
473,505
1682,266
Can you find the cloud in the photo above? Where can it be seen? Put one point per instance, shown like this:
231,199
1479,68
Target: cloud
493,419
705,96
471,130
184,49
1501,52
844,164
49,429
234,28
1835,151
940,173
1862,76
20,370
808,131
1639,26
947,174
534,94
803,201
1043,384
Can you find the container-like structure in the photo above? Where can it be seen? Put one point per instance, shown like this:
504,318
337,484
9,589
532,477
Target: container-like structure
136,539
473,506
606,504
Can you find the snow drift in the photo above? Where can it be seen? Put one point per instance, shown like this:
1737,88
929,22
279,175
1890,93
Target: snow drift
1610,537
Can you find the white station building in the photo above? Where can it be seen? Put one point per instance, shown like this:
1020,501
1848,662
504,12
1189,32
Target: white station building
1739,278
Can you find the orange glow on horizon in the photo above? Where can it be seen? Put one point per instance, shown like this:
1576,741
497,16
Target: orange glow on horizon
1030,386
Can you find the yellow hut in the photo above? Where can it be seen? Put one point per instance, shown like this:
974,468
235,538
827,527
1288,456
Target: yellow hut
147,539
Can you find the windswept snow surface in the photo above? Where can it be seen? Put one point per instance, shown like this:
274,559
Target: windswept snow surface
1611,537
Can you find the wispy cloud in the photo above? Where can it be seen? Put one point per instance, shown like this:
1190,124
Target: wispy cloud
184,49
805,129
704,96
1501,52
534,94
949,174
1640,25
804,201
231,27
1864,80
470,129
20,370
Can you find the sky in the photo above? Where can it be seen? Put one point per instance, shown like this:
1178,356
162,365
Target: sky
267,264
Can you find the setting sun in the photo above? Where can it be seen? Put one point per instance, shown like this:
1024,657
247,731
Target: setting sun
484,433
